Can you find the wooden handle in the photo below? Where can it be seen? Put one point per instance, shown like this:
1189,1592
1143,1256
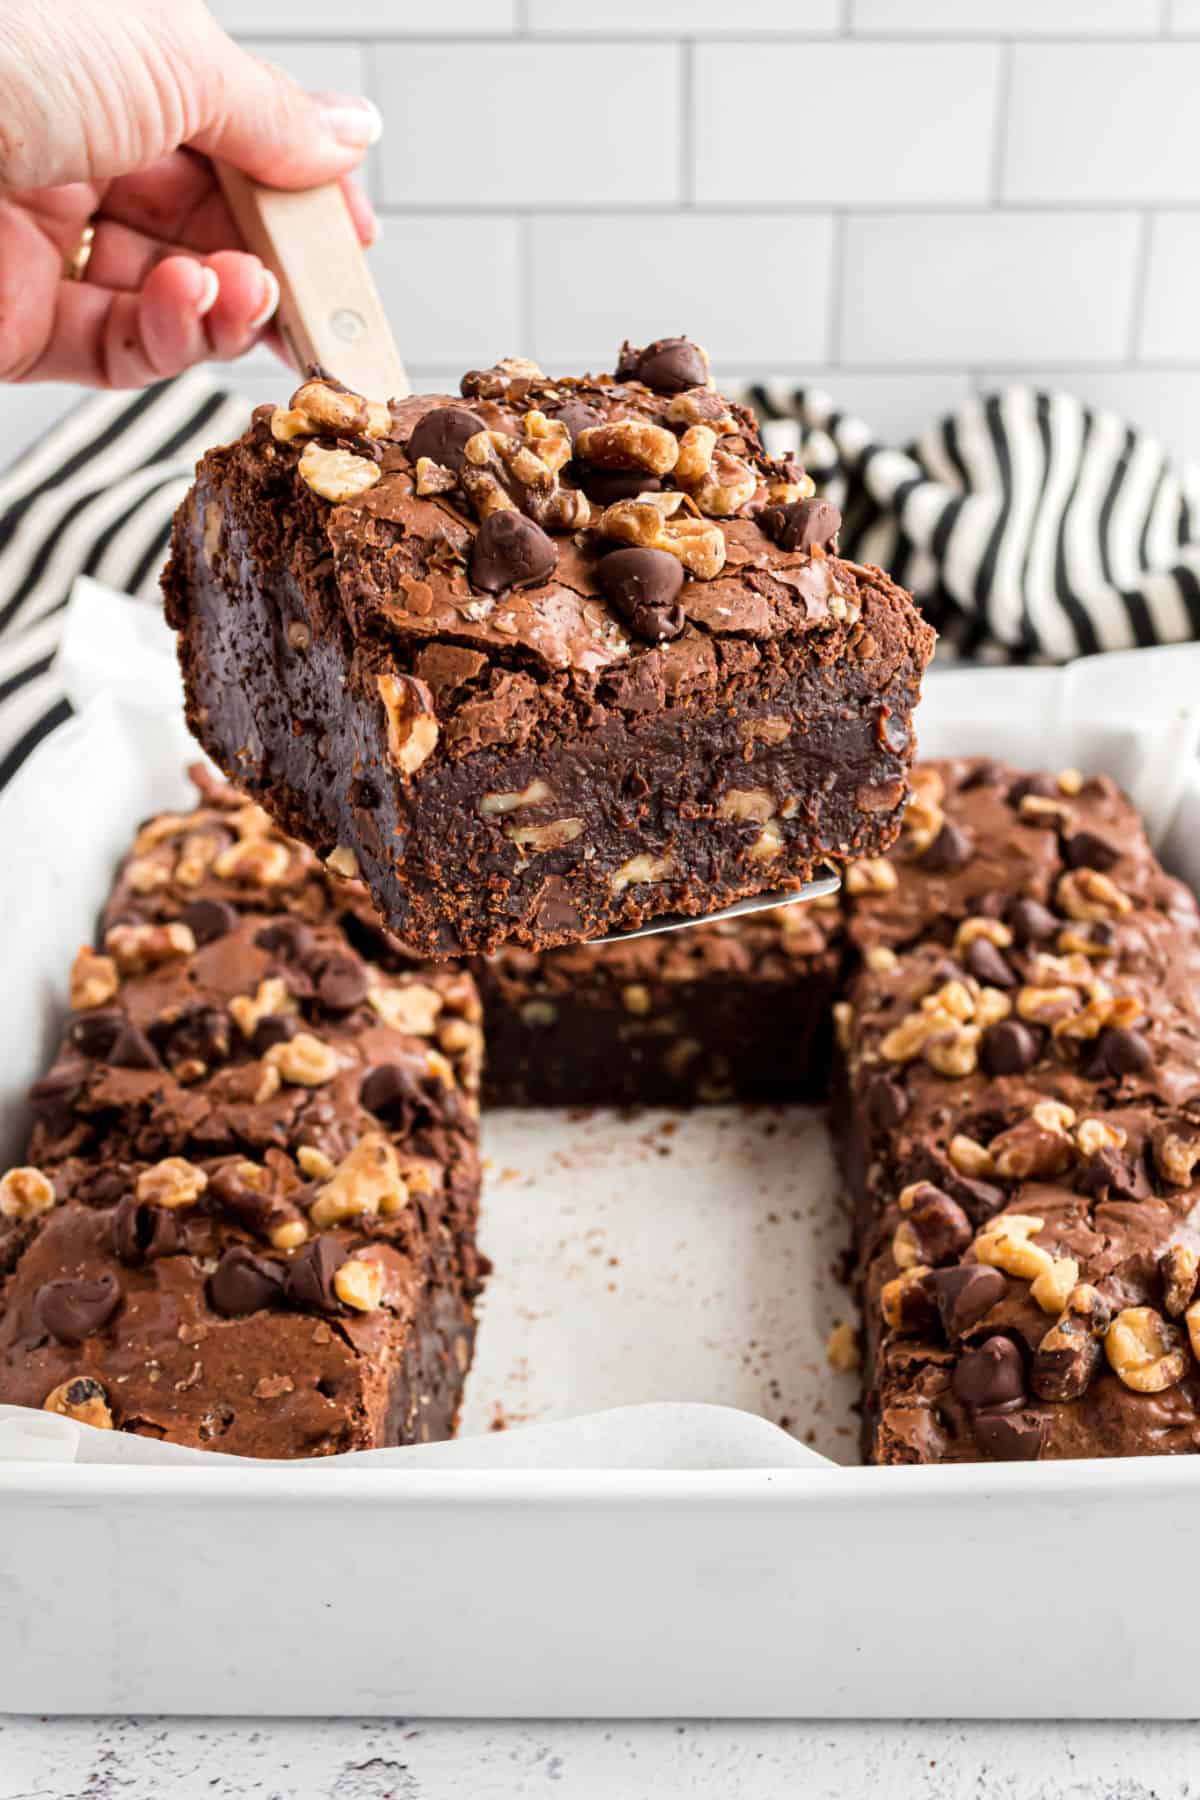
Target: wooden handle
329,307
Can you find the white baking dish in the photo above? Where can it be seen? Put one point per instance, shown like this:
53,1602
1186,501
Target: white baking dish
661,1559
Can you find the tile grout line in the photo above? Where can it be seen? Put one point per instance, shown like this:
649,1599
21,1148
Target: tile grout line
837,289
525,314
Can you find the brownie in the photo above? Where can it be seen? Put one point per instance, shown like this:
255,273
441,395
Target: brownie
739,1010
1018,1112
546,659
247,1215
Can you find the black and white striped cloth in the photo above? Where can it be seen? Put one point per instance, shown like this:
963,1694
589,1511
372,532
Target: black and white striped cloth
1029,526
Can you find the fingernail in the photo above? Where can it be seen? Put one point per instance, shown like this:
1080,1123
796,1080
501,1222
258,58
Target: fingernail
269,303
352,119
208,293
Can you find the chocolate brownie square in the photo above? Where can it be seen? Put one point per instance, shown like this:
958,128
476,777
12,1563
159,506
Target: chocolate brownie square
545,660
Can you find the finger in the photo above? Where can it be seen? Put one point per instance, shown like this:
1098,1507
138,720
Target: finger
121,340
246,300
256,117
178,202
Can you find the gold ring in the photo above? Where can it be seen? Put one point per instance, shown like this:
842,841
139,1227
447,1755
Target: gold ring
75,265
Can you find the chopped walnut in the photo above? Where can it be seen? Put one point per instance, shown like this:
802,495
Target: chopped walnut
993,931
970,1158
1102,1010
656,522
412,727
342,861
633,444
318,409
271,1001
1053,1286
1174,1156
1179,1266
1047,1005
1032,1150
1145,1351
197,854
635,998
137,948
1004,1243
337,475
953,1053
94,979
368,1180
641,868
172,1183
699,406
902,1301
413,1008
1087,894
261,861
538,838
288,1235
843,1022
841,1348
992,1005
304,1060
1095,1135
535,794
314,1163
504,473
719,482
1069,1354
872,875
24,1193
1037,809
83,1399
358,1283
879,959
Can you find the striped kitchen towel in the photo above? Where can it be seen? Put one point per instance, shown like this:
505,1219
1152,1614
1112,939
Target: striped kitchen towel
1028,526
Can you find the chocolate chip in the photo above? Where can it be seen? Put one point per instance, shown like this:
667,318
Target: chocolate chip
392,1093
985,962
1044,786
991,1377
1121,1174
669,365
938,1224
54,1094
964,1295
606,486
1009,1438
986,773
244,1283
1125,1052
802,524
276,1028
1088,850
341,981
286,938
577,417
202,1035
443,434
132,1049
208,920
950,849
72,1310
1008,1048
510,551
141,1233
643,586
95,1033
886,1103
309,1278
1030,921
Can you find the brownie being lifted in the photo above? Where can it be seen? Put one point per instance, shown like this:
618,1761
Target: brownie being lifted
547,660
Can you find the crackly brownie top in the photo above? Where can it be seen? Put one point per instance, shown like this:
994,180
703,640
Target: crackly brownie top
253,1153
585,525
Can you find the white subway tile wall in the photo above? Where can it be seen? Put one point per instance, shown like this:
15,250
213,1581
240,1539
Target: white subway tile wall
902,201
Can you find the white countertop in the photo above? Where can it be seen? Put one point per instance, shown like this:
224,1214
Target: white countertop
162,1759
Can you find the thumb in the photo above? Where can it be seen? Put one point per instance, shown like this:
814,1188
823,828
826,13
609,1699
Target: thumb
258,119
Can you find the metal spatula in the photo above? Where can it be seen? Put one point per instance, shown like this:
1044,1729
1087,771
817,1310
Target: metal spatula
330,313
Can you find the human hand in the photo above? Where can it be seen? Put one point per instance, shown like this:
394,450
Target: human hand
108,118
